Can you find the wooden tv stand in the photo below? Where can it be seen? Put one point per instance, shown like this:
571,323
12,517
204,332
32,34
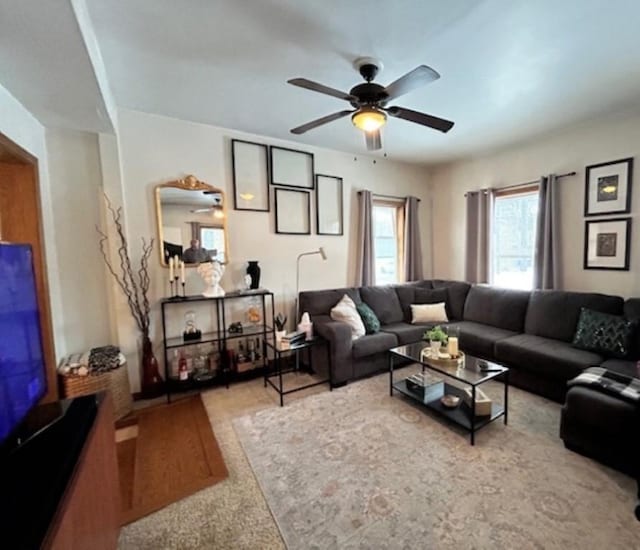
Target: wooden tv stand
61,487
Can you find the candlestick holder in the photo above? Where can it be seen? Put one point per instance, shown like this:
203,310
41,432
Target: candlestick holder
175,290
183,291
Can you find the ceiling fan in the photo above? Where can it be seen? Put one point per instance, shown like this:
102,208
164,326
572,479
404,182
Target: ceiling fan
370,101
216,207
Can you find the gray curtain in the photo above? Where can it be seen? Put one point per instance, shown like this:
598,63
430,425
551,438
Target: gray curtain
365,267
546,266
478,240
412,245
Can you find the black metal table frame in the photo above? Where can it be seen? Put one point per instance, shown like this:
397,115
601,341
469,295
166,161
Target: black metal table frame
279,371
505,379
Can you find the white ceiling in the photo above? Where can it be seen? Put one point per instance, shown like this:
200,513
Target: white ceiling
510,69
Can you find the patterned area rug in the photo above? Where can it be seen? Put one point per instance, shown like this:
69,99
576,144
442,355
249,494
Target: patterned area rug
355,468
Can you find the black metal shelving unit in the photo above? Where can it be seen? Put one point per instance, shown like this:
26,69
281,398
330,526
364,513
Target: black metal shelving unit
219,336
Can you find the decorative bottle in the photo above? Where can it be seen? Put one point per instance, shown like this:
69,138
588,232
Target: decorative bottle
183,371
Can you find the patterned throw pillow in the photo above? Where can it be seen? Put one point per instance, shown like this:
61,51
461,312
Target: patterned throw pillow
608,334
369,318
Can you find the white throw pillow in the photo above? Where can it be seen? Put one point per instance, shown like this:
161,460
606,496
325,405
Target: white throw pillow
346,312
428,313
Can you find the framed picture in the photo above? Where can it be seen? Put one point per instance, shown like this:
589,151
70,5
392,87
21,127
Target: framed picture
250,167
329,214
608,188
291,168
607,244
293,212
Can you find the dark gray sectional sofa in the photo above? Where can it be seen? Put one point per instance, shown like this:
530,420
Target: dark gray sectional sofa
531,332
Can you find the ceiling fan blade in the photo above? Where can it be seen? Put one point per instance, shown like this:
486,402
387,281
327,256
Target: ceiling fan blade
421,118
420,76
374,140
320,121
316,87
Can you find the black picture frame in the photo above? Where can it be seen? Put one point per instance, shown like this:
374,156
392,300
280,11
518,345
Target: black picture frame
291,167
597,175
286,220
589,244
321,180
235,161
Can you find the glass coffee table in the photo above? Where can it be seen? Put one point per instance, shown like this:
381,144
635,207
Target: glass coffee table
475,372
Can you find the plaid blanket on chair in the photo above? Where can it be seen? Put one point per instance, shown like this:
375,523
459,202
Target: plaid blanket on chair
613,383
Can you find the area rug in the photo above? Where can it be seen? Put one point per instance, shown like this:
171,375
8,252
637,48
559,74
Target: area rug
356,468
171,454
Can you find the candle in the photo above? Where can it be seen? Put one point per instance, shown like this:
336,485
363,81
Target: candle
170,270
176,262
182,271
452,346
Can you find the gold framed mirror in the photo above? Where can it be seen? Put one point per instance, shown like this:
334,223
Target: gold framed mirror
192,222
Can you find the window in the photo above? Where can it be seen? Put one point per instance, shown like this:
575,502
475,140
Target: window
212,239
514,237
388,221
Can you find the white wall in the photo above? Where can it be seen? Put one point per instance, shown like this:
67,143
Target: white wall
21,126
76,183
608,139
156,149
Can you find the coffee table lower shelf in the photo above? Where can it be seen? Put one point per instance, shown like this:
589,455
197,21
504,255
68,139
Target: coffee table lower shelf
461,415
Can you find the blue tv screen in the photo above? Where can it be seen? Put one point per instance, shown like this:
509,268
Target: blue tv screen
22,369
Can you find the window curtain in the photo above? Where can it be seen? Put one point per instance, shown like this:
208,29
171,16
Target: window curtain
412,244
546,265
365,253
478,236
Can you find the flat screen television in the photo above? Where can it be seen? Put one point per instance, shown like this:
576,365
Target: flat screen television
23,378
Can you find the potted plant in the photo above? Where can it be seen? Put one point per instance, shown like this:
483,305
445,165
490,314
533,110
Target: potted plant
437,337
280,320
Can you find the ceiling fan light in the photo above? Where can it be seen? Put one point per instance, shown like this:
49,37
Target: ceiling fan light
369,119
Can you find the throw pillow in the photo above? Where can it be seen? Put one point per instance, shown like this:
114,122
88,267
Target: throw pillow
432,296
611,335
428,313
369,319
346,312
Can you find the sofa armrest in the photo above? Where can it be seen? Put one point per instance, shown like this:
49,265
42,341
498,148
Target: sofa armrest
338,335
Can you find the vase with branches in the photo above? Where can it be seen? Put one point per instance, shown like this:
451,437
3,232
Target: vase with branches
134,283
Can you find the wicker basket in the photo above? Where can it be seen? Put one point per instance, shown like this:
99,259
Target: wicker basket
116,381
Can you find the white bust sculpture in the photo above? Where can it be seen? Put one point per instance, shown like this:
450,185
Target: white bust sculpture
211,273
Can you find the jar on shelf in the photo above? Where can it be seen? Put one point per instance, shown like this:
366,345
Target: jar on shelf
254,312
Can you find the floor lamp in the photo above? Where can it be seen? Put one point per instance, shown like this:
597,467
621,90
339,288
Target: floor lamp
324,257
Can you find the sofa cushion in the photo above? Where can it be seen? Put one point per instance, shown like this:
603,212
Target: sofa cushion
632,309
457,292
406,295
345,311
407,333
384,301
554,313
320,302
374,343
610,335
498,307
429,313
369,319
621,366
479,339
545,356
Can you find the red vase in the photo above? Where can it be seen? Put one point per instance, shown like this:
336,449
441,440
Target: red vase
151,384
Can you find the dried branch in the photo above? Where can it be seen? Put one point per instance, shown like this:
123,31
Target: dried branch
135,289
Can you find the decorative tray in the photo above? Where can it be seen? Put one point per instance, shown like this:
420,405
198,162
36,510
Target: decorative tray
442,360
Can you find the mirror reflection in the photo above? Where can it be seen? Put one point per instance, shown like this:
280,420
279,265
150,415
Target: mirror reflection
191,222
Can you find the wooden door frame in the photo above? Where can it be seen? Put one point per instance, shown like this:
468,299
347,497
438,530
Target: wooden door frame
28,173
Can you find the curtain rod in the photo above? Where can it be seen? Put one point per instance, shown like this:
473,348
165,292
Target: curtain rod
388,196
524,184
